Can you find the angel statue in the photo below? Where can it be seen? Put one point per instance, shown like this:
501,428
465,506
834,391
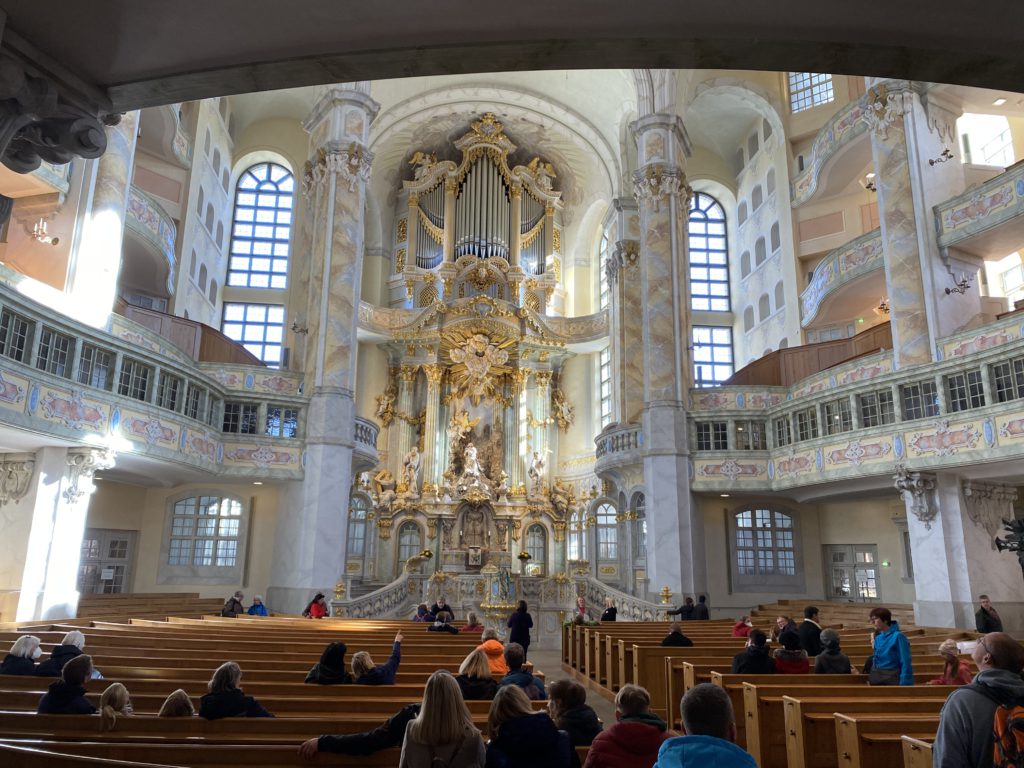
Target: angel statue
411,471
542,172
563,410
536,473
561,497
424,162
384,482
386,406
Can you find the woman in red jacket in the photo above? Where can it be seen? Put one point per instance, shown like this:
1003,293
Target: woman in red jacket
634,740
742,627
317,608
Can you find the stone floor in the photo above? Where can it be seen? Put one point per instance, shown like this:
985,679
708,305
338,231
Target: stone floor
549,661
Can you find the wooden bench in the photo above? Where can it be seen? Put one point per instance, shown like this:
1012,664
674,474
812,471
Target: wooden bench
916,753
876,741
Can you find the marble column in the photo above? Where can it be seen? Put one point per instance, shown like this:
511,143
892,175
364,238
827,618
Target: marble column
542,412
515,453
433,460
953,525
311,539
96,260
676,550
404,410
623,270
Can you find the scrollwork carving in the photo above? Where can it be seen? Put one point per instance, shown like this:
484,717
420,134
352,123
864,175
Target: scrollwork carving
15,474
917,488
82,464
988,505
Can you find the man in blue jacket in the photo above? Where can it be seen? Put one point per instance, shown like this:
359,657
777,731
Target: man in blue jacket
532,686
890,662
710,726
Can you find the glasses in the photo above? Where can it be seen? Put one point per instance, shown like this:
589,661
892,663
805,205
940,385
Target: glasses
981,642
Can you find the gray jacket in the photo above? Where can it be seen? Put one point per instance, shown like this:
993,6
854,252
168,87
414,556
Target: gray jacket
964,739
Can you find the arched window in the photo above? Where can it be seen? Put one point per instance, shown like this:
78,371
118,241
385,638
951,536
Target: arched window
776,242
760,254
192,266
201,200
741,160
748,318
784,344
640,527
209,218
766,128
764,542
607,532
220,234
223,106
752,145
770,181
577,549
756,198
216,161
225,178
764,308
780,295
202,277
206,143
213,292
536,545
603,287
709,255
358,509
741,212
261,232
410,541
745,264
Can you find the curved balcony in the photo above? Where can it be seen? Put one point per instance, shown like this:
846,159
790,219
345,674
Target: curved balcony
839,269
618,451
985,221
365,456
163,135
836,152
149,262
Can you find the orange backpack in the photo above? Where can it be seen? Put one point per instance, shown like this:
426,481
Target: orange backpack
1007,729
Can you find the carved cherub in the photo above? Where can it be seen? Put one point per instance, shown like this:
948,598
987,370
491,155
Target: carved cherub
564,411
542,172
423,162
386,406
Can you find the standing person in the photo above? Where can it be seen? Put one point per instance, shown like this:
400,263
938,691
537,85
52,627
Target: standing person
439,606
473,625
675,638
114,701
70,647
475,679
710,738
965,737
330,670
22,658
258,608
791,659
521,738
67,695
754,659
633,741
610,611
317,608
367,673
684,611
742,627
520,623
987,618
495,651
831,661
443,732
225,699
567,705
700,610
233,606
810,631
890,663
519,677
955,671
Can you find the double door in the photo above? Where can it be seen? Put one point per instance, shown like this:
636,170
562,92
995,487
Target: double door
106,563
852,572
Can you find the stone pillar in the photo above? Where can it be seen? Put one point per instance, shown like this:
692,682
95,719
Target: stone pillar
403,410
676,544
542,404
432,458
515,437
953,526
96,261
623,270
311,540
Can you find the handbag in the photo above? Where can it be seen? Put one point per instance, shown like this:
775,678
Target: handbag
883,676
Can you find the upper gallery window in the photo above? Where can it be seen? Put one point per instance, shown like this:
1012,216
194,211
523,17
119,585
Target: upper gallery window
809,89
257,327
712,355
262,227
605,383
709,255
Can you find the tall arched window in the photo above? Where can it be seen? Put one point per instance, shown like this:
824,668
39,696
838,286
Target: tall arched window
262,227
604,289
536,545
640,526
709,255
607,532
357,515
577,549
410,541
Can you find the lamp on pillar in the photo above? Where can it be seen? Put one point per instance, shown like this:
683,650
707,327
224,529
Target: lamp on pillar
961,284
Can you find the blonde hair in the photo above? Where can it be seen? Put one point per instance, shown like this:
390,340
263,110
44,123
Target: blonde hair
444,717
472,620
510,703
178,704
489,634
362,663
113,702
25,646
75,638
227,676
475,664
632,700
948,649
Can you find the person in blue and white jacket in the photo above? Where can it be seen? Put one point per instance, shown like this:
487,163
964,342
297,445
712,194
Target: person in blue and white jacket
890,662
710,739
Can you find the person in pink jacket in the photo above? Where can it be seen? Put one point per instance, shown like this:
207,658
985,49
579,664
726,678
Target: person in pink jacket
742,627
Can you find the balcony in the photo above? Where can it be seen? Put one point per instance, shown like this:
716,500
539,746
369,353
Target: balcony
365,455
149,261
985,221
841,270
162,134
619,451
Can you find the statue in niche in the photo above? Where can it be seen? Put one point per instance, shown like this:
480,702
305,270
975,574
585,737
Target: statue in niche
474,532
536,474
459,428
502,490
562,409
561,497
446,533
411,471
384,482
543,172
471,465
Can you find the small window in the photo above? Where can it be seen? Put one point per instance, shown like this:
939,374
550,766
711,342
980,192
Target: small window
712,355
607,532
1008,380
603,287
807,424
357,517
780,297
741,212
216,161
169,391
756,198
748,319
809,89
745,264
712,436
206,143
257,327
192,266
764,308
135,379
605,384
54,350
783,431
209,218
225,179
640,527
536,546
760,252
577,544
965,391
410,541
876,408
220,235
838,417
202,277
776,241
15,336
282,422
240,418
752,146
920,400
94,367
766,129
770,183
205,532
194,402
750,436
212,294
200,201
740,161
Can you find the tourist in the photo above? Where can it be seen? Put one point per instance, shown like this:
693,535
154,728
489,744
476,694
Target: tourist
520,623
635,738
331,669
522,738
21,659
783,624
515,658
568,708
710,738
675,638
225,699
890,663
955,671
442,734
70,647
475,679
791,659
492,646
610,611
366,673
258,608
684,611
67,695
987,618
441,605
473,624
742,627
580,614
233,606
177,704
317,608
422,614
700,610
965,735
754,659
810,631
389,734
831,661
114,701
441,624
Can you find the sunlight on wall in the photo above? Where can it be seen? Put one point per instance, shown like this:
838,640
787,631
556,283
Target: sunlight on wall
985,140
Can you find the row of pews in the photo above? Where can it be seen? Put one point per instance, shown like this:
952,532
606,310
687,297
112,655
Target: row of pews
784,721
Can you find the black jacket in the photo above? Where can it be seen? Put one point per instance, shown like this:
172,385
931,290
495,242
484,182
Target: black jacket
477,688
520,622
232,607
684,612
330,670
439,627
581,724
390,734
530,741
832,663
59,656
753,661
700,612
985,622
436,609
385,673
676,640
610,614
64,699
17,665
232,703
810,637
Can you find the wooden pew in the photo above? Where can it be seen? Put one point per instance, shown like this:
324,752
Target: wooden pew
916,753
25,756
876,741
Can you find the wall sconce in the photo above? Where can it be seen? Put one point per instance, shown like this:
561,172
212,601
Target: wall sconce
960,285
869,183
296,328
39,233
883,305
946,155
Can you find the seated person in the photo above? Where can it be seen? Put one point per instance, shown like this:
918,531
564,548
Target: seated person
390,734
233,606
367,673
21,659
783,624
441,605
491,645
473,624
567,706
67,695
675,638
710,727
317,608
258,608
791,658
742,627
442,734
754,659
475,678
635,738
226,699
532,686
331,669
114,701
422,614
831,661
523,738
610,612
70,647
955,671
441,624
177,704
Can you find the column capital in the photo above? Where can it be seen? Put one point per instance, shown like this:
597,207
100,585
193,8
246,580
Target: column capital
82,464
657,182
16,471
407,372
520,376
887,102
543,378
352,163
433,372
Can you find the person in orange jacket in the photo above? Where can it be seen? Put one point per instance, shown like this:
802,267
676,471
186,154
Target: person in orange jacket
495,651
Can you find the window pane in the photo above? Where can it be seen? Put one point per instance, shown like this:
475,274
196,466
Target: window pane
274,188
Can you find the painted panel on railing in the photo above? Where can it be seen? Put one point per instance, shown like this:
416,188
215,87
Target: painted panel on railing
138,335
146,217
995,335
845,126
254,379
981,208
736,398
72,409
730,469
859,451
13,390
945,438
151,429
261,456
848,262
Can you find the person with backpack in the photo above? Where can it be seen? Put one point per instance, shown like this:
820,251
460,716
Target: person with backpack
980,724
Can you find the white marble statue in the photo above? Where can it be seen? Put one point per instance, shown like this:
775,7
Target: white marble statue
536,474
470,464
411,471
